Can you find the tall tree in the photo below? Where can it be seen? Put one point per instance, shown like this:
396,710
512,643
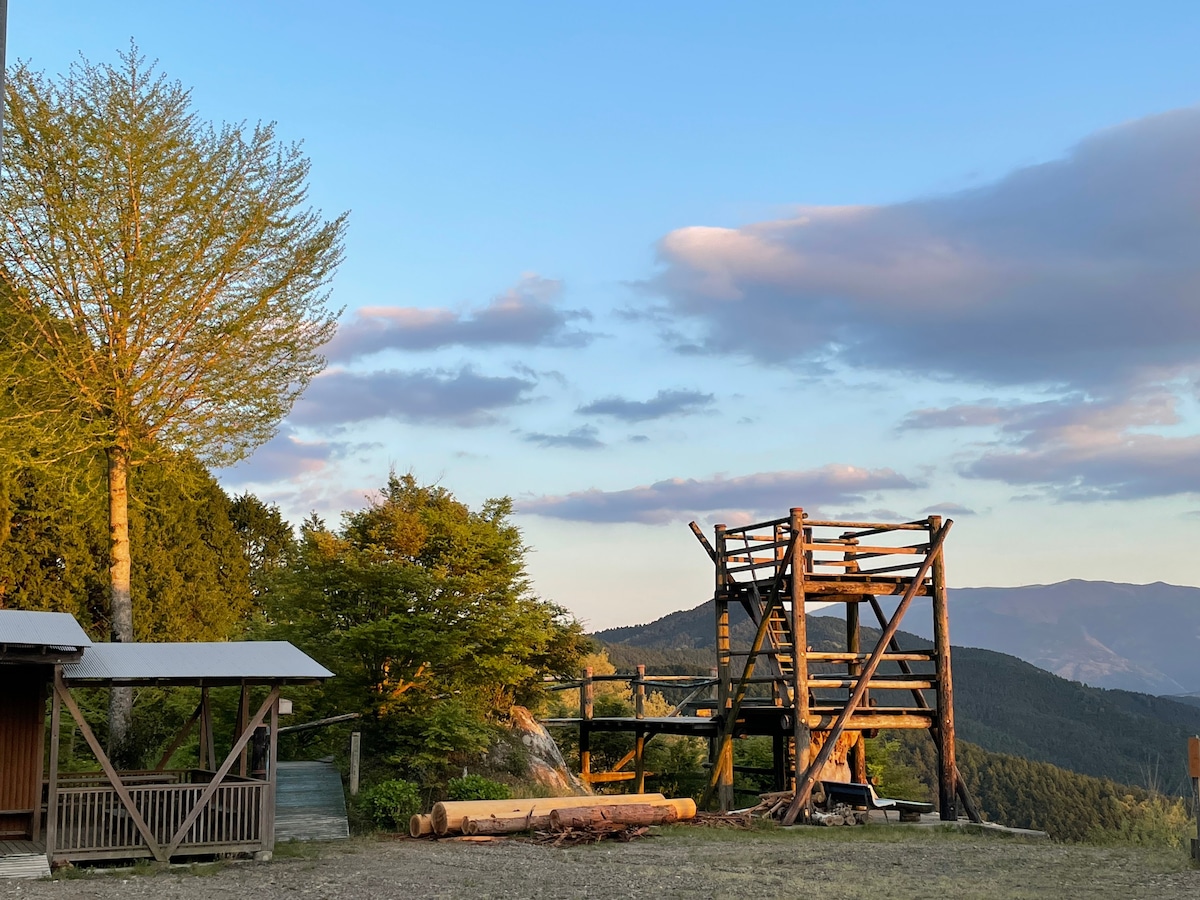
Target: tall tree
167,280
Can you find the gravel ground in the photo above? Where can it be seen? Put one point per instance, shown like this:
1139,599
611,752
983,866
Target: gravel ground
692,863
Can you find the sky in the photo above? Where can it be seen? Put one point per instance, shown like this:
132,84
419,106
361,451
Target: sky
637,264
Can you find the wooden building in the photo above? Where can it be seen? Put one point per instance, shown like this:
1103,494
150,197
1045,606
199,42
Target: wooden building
815,705
225,804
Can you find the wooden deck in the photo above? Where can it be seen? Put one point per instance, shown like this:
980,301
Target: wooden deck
23,859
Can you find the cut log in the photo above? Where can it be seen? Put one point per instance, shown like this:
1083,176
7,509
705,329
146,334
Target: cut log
420,826
506,824
592,817
448,816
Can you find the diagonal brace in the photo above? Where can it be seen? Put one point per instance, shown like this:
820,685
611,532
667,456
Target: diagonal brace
211,787
60,688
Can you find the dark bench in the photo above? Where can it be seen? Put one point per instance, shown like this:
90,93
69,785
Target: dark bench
854,794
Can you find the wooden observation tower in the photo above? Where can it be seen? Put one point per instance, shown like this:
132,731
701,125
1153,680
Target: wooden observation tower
817,705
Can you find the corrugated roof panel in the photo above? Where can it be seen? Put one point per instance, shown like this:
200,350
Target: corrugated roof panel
41,629
235,661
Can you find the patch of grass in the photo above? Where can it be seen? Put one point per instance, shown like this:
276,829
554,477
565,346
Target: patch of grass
297,850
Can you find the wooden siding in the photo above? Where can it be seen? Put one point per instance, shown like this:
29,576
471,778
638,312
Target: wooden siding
22,732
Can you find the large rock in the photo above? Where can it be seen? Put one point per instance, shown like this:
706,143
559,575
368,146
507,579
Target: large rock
531,747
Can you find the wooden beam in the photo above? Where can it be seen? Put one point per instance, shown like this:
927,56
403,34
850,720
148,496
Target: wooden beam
60,689
708,548
639,741
179,738
804,786
211,788
894,645
268,818
243,714
801,731
947,764
967,800
52,773
721,775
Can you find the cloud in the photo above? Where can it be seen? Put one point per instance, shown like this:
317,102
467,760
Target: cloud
461,397
962,416
526,315
677,499
661,405
284,457
582,438
1081,448
1080,273
948,509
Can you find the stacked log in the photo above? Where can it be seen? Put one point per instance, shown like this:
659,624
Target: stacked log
494,817
631,814
419,826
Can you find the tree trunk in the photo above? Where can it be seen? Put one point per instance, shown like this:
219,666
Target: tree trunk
120,705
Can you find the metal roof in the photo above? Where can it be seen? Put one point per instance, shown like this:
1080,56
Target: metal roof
41,629
197,664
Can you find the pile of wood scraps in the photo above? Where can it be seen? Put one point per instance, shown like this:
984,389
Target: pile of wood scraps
553,820
826,810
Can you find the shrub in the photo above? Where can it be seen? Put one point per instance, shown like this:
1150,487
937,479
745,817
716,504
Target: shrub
476,787
390,804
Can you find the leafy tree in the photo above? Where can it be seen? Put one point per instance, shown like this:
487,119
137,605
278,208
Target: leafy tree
422,609
166,281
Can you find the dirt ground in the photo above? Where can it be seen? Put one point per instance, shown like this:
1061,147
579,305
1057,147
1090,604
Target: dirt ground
679,862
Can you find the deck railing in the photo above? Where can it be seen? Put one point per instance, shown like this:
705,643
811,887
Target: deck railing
92,821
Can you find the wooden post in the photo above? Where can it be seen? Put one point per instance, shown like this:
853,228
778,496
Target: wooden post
52,772
587,708
801,733
355,750
242,716
947,766
35,826
639,746
724,751
858,750
268,818
779,774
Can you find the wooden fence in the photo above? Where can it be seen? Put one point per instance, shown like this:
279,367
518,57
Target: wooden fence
92,823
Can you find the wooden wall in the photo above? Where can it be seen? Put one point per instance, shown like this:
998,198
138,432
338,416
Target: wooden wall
22,743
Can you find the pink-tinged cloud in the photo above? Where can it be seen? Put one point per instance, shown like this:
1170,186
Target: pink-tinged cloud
1080,273
528,314
748,496
1080,448
284,458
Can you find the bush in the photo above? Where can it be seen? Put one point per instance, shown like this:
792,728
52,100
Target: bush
390,804
476,787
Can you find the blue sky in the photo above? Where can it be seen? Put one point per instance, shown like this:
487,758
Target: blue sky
634,264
